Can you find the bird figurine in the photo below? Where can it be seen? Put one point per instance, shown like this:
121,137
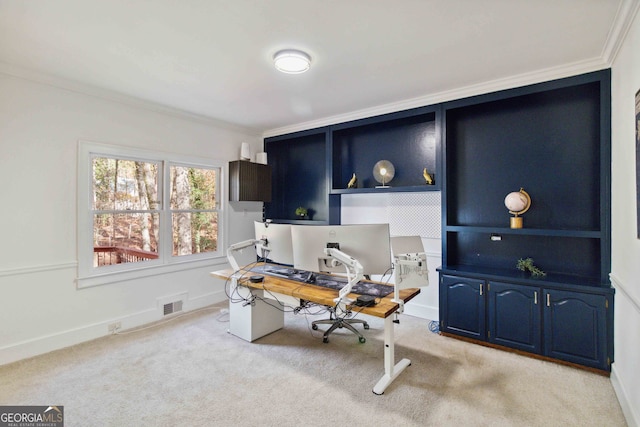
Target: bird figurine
353,182
428,179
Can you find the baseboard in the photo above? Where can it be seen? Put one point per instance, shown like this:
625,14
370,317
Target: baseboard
422,311
47,343
630,414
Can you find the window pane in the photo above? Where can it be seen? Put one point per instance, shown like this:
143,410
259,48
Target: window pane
193,188
194,232
136,189
120,238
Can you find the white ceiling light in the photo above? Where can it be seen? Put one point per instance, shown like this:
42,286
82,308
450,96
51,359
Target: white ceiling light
292,61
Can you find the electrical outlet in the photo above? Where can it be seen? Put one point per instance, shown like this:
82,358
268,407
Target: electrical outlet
114,327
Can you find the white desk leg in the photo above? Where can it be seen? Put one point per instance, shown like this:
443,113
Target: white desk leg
391,371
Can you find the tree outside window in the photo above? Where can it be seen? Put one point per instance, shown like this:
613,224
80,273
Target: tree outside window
127,207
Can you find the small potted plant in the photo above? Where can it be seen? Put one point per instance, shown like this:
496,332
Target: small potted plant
301,212
527,265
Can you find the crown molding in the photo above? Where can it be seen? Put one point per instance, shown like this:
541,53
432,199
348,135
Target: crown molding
109,95
627,11
519,80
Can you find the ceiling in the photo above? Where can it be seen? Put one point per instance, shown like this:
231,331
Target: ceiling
213,58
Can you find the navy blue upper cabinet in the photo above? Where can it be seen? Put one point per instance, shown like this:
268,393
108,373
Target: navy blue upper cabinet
300,178
551,139
312,168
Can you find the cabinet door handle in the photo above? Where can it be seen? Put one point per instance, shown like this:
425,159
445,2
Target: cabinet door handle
548,300
535,297
481,288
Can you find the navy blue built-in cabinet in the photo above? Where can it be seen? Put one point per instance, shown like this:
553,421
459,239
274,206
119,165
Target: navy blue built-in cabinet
552,139
312,168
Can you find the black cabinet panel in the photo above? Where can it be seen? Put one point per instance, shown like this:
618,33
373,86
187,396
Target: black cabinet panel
514,316
249,182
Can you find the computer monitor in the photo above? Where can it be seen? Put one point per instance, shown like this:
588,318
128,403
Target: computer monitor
278,242
367,243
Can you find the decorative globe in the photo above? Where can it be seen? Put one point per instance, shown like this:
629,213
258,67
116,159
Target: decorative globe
518,202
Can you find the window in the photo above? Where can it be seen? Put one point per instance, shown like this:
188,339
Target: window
194,217
139,211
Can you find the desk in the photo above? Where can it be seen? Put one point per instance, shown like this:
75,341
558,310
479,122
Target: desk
256,317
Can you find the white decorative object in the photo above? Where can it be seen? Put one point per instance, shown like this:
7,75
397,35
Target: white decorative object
383,172
245,151
518,202
261,158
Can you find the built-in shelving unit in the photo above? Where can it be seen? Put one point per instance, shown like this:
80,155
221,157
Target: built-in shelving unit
409,140
301,178
312,168
553,140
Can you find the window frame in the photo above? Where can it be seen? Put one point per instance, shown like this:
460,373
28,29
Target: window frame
88,275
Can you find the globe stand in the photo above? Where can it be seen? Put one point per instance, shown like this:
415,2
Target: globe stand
518,202
516,222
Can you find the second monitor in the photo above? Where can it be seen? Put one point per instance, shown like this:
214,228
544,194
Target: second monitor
367,243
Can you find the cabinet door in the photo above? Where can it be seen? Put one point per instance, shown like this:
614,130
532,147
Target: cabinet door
575,328
462,306
249,182
514,316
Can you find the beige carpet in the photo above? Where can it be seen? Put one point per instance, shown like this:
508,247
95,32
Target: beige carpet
191,372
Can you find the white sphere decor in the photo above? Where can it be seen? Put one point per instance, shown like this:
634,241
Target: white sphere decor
517,202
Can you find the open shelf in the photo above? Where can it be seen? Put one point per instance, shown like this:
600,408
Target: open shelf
589,234
409,140
551,139
300,177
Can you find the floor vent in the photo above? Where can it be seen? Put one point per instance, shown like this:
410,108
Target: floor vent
172,307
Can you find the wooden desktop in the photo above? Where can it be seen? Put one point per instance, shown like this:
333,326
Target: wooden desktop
256,318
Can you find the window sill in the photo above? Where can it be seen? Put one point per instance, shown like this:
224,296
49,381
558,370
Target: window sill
100,279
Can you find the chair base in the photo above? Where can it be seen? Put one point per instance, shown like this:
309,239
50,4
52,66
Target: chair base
340,323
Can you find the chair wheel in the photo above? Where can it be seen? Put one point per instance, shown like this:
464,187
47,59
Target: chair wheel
366,326
314,327
325,340
362,340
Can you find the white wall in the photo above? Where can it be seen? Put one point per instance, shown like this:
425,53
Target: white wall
625,244
40,126
408,214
